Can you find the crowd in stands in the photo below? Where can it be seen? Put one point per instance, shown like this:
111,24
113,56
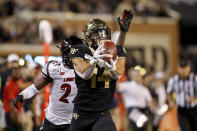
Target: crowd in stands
14,29
82,6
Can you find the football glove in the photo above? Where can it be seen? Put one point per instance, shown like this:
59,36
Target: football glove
125,20
97,55
113,73
18,98
102,63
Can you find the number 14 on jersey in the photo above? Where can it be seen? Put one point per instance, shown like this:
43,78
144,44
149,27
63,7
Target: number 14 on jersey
105,77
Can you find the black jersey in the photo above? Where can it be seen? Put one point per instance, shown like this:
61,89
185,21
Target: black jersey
96,93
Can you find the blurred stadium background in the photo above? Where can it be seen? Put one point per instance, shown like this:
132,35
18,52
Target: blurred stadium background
161,30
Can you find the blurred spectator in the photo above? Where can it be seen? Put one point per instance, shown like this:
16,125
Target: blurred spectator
84,7
27,75
30,35
4,35
2,118
13,116
9,6
137,100
12,62
184,85
73,6
159,89
33,107
1,8
37,100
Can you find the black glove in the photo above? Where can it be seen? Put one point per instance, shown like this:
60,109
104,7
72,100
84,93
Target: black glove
18,98
125,20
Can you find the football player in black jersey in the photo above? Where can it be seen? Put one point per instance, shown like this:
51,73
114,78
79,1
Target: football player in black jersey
95,78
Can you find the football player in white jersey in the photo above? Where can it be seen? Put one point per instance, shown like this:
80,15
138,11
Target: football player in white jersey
62,78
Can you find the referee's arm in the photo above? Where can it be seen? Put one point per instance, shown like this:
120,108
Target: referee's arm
193,99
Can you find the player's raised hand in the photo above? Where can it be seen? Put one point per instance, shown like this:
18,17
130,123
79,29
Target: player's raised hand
18,98
125,20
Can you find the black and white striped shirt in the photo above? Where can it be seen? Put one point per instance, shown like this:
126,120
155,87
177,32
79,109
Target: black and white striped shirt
184,90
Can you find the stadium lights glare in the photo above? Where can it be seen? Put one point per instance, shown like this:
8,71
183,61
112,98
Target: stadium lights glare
21,62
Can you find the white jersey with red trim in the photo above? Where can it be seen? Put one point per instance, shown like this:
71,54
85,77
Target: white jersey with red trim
63,91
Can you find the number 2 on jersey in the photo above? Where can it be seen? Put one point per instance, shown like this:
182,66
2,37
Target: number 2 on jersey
68,89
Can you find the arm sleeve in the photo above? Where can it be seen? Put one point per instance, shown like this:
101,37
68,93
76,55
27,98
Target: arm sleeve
80,51
170,86
121,52
29,92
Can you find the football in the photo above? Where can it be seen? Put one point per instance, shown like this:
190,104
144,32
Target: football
110,48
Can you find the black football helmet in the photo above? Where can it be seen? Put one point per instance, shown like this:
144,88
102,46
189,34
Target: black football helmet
65,49
96,29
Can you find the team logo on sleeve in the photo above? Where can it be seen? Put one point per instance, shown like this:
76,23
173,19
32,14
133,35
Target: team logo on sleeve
75,116
73,51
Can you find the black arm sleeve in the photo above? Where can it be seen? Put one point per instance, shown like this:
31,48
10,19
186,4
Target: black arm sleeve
80,51
121,51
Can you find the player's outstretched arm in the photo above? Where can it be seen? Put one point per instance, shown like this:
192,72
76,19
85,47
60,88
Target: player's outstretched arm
85,68
31,90
80,65
119,64
124,23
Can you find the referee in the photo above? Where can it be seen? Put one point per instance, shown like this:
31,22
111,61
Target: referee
184,85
